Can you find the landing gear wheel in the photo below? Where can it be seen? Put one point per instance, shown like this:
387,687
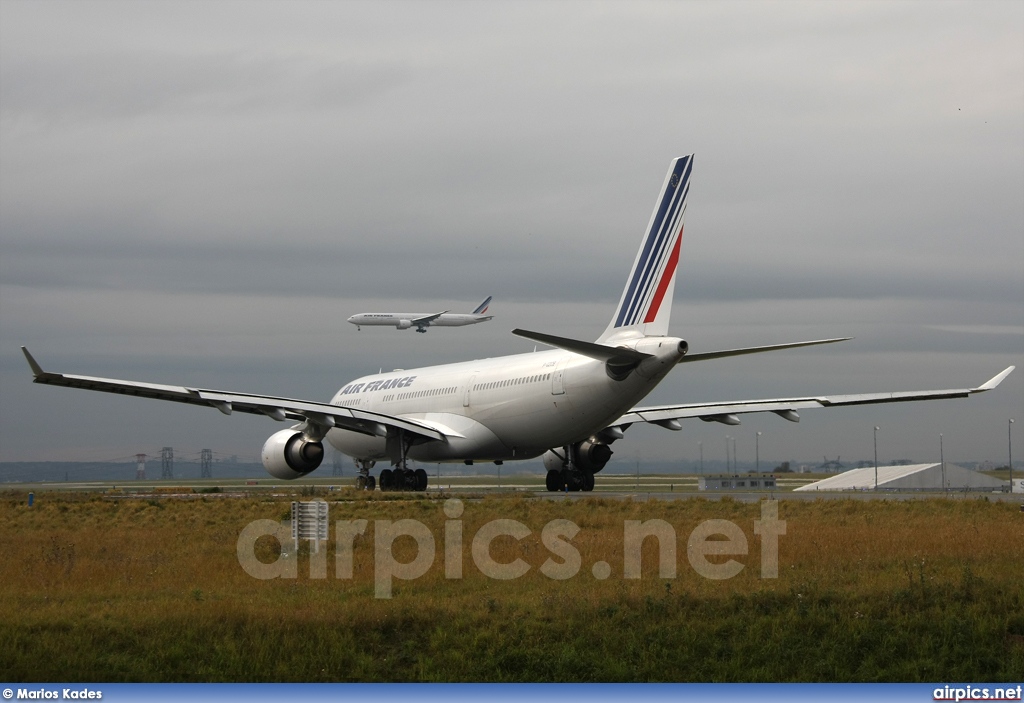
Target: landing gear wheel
569,481
371,483
364,481
588,481
421,479
387,481
553,481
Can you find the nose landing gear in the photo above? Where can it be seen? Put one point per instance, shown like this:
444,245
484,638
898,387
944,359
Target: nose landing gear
364,481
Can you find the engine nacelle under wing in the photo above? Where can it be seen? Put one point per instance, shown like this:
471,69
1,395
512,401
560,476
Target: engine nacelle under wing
587,455
287,455
553,461
404,324
592,457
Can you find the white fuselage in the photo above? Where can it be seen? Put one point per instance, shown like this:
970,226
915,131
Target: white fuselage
512,407
405,320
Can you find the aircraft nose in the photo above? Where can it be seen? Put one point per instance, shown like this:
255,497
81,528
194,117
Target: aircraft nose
352,319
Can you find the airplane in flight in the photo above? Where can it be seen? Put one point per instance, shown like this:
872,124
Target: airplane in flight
422,320
567,405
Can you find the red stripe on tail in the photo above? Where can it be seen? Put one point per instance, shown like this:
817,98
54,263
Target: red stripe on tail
670,270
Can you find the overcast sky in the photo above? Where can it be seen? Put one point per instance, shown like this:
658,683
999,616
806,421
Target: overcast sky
201,193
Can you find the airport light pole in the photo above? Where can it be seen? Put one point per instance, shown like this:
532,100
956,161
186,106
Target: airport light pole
727,469
700,446
1009,449
757,453
876,457
942,460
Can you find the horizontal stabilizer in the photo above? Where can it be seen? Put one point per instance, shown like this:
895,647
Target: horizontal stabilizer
757,350
616,356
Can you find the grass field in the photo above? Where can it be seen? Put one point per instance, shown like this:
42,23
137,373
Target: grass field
104,588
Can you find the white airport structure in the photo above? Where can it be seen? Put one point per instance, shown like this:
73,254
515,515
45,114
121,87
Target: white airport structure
310,521
748,482
915,477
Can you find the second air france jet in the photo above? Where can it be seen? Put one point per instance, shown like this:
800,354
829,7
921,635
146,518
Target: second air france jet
422,320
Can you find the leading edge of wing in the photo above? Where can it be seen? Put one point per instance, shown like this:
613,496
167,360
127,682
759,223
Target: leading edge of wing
428,318
227,402
719,411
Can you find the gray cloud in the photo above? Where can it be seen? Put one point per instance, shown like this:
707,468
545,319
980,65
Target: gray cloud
124,86
202,193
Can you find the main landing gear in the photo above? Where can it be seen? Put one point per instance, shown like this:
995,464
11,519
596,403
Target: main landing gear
396,479
571,476
569,480
406,479
399,478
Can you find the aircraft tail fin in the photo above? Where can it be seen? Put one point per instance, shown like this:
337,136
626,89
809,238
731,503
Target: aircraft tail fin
482,307
646,302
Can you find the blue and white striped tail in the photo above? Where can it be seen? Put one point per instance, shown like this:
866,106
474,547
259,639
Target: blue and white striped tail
482,307
646,302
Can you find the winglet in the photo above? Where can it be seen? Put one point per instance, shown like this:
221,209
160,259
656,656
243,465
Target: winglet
37,370
993,382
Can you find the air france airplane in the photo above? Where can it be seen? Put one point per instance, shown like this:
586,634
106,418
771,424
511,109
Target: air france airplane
422,320
567,404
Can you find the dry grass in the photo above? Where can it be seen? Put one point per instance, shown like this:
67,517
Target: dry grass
100,589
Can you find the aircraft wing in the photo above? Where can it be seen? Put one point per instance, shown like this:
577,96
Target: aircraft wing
726,412
280,409
427,318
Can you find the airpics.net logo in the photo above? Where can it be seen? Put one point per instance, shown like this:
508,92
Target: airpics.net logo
710,539
971,692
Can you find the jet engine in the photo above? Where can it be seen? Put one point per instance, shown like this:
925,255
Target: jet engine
404,324
586,455
590,456
288,455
